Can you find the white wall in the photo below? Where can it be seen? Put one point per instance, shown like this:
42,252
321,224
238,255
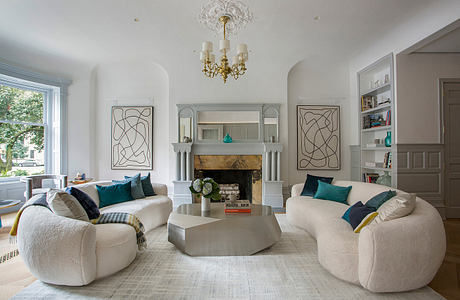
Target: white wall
315,82
132,83
78,117
418,94
428,21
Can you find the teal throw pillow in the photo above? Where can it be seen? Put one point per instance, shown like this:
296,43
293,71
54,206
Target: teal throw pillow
113,194
331,192
146,185
376,201
136,186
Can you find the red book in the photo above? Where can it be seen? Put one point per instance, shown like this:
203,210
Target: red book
238,210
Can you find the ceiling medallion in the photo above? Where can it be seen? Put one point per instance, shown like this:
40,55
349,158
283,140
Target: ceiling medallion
225,15
239,14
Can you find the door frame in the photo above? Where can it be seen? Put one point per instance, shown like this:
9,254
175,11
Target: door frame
442,141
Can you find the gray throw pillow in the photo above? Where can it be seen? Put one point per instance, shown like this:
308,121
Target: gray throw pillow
65,205
136,186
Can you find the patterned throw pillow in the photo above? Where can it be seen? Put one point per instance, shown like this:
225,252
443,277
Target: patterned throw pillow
86,202
65,205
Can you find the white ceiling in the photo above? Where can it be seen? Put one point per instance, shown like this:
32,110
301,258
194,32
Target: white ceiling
284,32
449,42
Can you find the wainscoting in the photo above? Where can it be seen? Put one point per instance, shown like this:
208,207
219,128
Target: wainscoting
420,171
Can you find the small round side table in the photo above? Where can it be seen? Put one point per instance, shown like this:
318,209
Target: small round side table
6,204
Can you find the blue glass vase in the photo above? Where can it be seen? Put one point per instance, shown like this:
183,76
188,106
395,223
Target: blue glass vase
227,139
388,139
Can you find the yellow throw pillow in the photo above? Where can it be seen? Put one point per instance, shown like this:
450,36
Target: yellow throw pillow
367,219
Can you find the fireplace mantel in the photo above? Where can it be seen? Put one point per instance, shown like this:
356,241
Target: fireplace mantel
271,167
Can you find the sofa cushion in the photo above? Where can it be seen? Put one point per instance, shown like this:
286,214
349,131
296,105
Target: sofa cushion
146,185
311,184
331,192
116,248
151,211
86,202
346,215
113,194
397,207
91,190
376,201
65,205
136,186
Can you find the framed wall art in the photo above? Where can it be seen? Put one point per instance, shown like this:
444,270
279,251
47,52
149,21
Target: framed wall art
318,137
132,138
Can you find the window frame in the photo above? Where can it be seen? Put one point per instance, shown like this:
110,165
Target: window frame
54,90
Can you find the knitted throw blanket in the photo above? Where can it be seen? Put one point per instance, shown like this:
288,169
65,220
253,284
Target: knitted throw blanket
125,218
39,200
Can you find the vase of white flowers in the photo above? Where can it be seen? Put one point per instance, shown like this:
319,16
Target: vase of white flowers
208,189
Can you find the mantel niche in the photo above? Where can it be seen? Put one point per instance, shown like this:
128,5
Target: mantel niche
255,148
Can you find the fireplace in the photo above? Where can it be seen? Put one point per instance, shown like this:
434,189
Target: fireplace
245,170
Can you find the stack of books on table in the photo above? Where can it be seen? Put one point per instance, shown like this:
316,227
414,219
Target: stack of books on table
237,206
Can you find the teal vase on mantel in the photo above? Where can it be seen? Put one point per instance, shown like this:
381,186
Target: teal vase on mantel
227,139
388,139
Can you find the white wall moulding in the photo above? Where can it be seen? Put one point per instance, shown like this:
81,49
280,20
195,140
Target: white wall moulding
420,171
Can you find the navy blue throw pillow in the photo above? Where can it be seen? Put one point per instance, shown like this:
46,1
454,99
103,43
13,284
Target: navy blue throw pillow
311,184
85,200
358,212
346,215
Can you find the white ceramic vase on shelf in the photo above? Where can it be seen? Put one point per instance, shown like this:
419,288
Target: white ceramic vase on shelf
205,203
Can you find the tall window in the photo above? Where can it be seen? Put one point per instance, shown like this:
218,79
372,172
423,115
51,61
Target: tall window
23,129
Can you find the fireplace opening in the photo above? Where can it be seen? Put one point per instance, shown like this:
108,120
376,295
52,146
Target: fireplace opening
241,177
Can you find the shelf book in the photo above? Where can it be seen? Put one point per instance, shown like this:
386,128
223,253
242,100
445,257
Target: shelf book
237,206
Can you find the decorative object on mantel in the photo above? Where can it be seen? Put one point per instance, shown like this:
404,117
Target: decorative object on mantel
228,16
208,189
186,139
132,138
227,139
318,137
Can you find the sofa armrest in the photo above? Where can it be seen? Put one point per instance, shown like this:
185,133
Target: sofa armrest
296,189
402,254
56,249
160,189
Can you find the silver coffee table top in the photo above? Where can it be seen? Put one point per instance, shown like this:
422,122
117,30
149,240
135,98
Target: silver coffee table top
212,233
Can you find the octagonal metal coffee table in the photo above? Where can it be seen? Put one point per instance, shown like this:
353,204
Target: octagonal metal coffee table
215,233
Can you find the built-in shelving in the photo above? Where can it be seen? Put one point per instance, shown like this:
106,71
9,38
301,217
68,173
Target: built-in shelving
376,110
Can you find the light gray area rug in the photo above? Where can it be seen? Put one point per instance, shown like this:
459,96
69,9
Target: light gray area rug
287,270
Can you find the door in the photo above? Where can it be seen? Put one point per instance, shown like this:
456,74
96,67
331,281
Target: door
451,113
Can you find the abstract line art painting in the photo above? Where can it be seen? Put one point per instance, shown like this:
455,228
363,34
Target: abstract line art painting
318,137
132,137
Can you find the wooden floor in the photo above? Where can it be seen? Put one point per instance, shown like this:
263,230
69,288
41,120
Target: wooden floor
15,276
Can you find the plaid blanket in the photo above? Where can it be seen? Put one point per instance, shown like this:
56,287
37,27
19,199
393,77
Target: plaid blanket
125,218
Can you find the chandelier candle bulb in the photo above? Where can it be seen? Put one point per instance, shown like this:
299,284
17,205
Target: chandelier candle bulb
212,58
203,56
224,45
207,46
242,48
236,60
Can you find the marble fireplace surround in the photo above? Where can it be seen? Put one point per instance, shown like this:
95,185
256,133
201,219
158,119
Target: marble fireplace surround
251,163
263,157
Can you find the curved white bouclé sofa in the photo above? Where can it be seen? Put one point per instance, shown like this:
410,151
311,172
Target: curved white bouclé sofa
65,251
393,256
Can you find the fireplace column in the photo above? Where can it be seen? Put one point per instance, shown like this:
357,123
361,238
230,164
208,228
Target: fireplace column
273,186
183,173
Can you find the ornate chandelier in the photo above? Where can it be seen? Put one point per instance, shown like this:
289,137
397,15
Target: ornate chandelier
231,16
